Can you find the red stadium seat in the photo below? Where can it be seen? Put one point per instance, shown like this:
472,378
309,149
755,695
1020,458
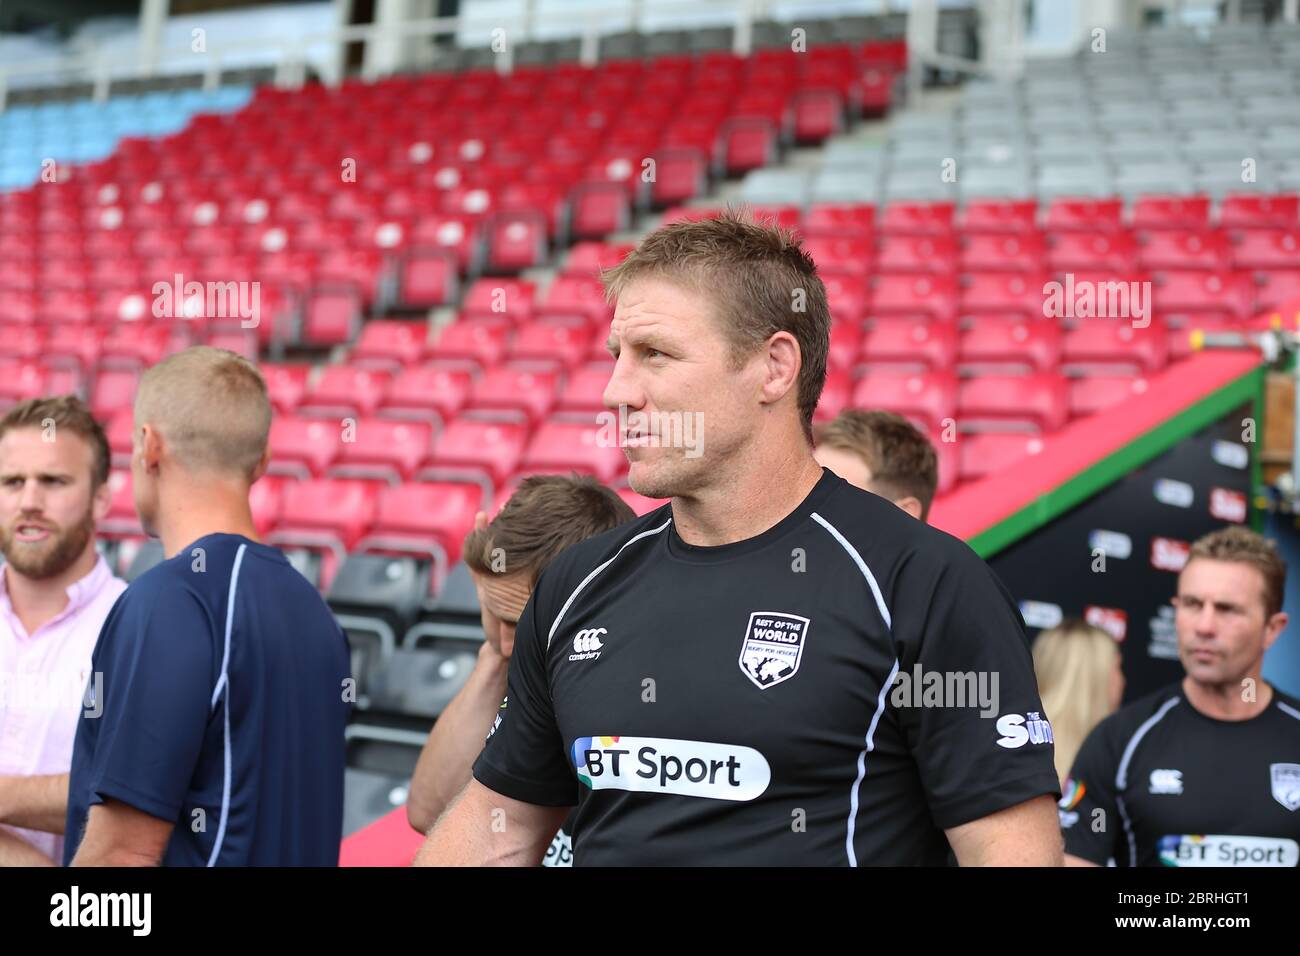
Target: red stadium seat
1255,212
998,215
346,389
390,343
571,296
917,218
113,390
516,241
681,174
488,447
586,448
333,318
836,395
1004,294
1186,249
1084,215
303,446
995,252
562,344
416,513
841,255
265,501
427,392
917,345
429,278
846,295
993,342
586,260
921,253
482,341
598,209
1171,212
1101,344
530,391
1040,400
834,219
285,384
846,339
929,396
1179,294
1076,251
933,296
583,392
383,448
500,297
1278,288
1268,248
325,510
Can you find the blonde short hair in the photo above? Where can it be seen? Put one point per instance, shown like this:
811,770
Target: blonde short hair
210,406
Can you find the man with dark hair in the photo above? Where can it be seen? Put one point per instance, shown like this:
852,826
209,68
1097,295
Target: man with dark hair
1206,772
710,682
55,592
883,453
547,514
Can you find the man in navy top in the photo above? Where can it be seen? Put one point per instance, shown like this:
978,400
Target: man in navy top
220,739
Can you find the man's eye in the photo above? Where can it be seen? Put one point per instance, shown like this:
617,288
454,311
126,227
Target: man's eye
653,353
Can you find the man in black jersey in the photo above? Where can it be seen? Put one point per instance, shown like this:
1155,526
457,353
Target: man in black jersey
736,678
545,515
1206,772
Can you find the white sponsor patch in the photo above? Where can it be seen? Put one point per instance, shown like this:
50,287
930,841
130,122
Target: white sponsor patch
1114,544
1041,614
1018,730
1227,505
1177,493
1218,850
1285,778
773,647
1230,455
688,768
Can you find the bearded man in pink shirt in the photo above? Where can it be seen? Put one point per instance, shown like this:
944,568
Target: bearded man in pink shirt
55,592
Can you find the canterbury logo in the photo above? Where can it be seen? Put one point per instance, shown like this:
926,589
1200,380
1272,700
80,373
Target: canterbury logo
588,640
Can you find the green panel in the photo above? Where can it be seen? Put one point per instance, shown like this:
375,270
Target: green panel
1106,471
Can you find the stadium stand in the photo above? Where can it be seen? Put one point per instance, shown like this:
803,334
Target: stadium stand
425,250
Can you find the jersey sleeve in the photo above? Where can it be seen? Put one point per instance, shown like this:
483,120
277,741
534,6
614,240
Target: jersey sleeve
1089,814
156,658
523,757
984,744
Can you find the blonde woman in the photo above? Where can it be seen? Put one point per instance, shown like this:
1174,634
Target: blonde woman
1080,682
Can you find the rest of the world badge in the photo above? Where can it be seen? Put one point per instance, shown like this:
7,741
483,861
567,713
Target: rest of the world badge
773,647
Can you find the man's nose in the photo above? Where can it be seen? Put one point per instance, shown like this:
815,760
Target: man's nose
622,389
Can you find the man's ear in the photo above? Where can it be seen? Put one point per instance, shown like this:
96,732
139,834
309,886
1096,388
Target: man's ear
1274,628
262,464
151,447
100,502
910,504
782,366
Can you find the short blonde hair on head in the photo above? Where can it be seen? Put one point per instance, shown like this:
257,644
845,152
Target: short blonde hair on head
210,406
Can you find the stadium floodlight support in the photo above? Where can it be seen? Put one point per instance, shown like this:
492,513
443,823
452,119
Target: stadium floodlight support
1001,53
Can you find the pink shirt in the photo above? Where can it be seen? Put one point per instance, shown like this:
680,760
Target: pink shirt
42,679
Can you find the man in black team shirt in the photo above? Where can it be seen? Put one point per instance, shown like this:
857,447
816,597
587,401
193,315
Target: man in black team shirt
1206,772
714,683
543,517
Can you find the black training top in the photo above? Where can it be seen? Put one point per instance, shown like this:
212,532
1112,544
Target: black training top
1159,782
737,704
